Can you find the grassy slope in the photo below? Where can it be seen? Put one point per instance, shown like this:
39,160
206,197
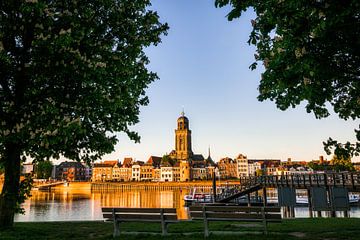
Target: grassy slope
335,228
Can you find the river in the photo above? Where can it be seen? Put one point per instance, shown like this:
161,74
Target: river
77,202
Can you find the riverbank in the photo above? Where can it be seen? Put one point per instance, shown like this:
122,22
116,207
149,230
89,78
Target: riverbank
316,228
202,185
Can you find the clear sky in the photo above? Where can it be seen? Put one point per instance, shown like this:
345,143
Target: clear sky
203,66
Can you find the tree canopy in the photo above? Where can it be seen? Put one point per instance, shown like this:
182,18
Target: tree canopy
72,73
311,52
43,169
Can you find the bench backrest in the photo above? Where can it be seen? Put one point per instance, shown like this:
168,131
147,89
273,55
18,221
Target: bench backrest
146,214
235,213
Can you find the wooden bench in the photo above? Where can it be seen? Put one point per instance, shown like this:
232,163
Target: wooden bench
117,215
235,213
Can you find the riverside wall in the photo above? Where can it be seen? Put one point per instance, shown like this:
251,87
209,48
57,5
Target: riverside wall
203,185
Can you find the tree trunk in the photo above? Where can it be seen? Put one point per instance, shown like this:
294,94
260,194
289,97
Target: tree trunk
10,191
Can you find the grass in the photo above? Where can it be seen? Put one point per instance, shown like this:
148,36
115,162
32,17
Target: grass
316,228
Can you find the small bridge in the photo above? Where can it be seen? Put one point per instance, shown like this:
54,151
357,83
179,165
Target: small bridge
47,186
247,185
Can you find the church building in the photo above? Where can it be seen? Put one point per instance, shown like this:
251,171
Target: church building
183,151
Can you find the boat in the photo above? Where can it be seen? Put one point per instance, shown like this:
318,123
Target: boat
195,197
354,198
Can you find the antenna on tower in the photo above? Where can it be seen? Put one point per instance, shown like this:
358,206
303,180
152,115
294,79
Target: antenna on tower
183,112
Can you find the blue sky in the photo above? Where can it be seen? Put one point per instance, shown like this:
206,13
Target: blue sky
203,66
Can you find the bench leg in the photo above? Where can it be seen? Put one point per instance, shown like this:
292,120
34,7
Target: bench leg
264,220
164,226
206,223
116,229
206,228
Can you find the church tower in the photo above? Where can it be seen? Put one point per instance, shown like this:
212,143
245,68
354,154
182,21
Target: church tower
183,138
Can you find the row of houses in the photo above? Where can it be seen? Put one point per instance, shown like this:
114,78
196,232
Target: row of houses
158,170
154,169
68,171
164,170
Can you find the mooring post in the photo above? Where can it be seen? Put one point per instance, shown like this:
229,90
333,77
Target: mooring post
214,187
248,200
264,197
310,203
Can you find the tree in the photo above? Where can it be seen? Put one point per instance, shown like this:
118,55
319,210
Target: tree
167,159
43,169
311,52
72,73
342,164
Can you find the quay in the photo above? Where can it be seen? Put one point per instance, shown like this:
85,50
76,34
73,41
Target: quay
119,186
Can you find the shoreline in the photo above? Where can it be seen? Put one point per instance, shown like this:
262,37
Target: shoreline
157,185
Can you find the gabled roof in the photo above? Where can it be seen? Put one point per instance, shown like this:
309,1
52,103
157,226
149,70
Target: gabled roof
67,164
102,165
165,164
198,157
226,160
140,163
154,161
127,162
111,162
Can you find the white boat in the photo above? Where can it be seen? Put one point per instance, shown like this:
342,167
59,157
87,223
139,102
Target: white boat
354,198
195,197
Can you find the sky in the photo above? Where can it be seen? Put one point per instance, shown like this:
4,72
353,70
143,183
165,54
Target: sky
203,66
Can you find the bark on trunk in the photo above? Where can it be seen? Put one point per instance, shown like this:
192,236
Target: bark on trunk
10,191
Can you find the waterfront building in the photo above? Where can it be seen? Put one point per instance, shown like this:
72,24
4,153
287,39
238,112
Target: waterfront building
227,168
176,172
126,170
156,174
88,171
242,166
116,172
135,171
167,173
70,171
251,167
146,172
185,170
103,171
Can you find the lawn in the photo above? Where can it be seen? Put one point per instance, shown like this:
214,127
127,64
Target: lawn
317,228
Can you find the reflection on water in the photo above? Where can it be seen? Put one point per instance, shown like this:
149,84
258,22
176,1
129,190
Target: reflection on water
77,202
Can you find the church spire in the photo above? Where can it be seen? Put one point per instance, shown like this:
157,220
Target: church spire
183,112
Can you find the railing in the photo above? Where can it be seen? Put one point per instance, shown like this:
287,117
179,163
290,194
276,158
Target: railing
245,184
252,183
349,180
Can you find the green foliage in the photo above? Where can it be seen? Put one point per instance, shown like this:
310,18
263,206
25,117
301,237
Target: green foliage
342,164
167,159
259,172
72,73
25,192
311,53
43,169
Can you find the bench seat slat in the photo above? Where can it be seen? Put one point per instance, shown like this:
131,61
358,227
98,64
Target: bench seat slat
138,210
235,209
140,217
227,215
